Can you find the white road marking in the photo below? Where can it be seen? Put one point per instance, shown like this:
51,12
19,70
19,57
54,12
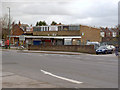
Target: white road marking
63,78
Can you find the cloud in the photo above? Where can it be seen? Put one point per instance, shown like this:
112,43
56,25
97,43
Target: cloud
46,9
89,12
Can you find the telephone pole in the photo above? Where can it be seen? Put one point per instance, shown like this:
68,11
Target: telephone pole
9,28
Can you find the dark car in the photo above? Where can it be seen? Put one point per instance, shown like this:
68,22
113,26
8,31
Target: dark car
104,50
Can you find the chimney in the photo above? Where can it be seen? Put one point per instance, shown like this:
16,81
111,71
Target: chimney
13,23
106,28
19,24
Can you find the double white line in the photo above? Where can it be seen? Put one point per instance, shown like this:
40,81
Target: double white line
63,78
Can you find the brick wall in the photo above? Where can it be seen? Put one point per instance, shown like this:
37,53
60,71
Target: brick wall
69,33
58,33
68,48
44,33
90,33
16,30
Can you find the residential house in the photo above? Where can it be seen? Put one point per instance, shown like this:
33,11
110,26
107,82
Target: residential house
109,36
17,30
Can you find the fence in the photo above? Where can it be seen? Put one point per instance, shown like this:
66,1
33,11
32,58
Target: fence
69,48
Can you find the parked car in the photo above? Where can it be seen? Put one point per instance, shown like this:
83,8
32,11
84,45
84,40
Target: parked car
104,50
111,47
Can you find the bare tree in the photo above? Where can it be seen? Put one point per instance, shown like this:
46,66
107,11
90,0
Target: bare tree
4,23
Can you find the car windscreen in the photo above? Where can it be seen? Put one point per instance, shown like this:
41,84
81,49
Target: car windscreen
102,47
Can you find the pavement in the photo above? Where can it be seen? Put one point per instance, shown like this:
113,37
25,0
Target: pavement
51,52
11,80
46,52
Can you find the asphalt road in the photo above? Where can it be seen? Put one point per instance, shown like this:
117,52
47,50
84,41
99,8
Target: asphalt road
69,71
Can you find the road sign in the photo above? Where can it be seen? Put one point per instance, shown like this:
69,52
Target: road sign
22,38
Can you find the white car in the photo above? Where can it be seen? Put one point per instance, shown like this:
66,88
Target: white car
111,47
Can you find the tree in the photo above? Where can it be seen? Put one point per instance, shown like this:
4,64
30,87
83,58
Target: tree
44,23
41,23
4,23
53,23
37,24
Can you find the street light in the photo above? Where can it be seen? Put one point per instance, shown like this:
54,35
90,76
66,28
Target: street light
9,27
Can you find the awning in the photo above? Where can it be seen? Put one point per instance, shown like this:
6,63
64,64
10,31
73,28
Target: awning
55,37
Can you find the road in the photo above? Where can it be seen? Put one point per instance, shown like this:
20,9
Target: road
67,71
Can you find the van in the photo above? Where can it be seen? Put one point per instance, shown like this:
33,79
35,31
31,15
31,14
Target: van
96,44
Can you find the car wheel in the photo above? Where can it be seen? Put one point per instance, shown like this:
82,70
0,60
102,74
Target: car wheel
105,52
111,52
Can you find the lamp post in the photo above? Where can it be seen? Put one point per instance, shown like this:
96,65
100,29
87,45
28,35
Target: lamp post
9,27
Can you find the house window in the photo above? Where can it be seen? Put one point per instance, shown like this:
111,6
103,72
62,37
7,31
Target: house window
53,28
103,34
39,29
109,34
65,28
46,29
42,29
114,34
74,27
59,28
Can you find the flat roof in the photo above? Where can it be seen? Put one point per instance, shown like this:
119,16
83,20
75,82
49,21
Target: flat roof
57,37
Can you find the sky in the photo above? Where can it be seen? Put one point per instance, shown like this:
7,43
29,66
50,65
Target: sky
97,13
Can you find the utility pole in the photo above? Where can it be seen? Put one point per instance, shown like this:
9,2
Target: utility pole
9,28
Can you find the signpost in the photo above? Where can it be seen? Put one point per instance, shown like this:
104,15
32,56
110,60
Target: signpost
22,38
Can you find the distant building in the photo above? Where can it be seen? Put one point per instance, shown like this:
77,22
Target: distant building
72,34
64,34
17,30
109,35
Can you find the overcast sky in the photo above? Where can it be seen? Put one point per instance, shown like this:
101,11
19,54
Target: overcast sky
87,12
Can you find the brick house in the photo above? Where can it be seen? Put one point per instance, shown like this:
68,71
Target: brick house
109,35
17,30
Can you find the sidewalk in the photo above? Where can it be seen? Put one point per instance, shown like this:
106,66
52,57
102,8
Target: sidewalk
11,80
46,52
51,52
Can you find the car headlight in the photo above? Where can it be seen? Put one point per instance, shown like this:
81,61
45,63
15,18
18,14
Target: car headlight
103,50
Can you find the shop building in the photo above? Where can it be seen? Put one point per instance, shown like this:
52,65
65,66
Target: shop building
85,33
61,35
